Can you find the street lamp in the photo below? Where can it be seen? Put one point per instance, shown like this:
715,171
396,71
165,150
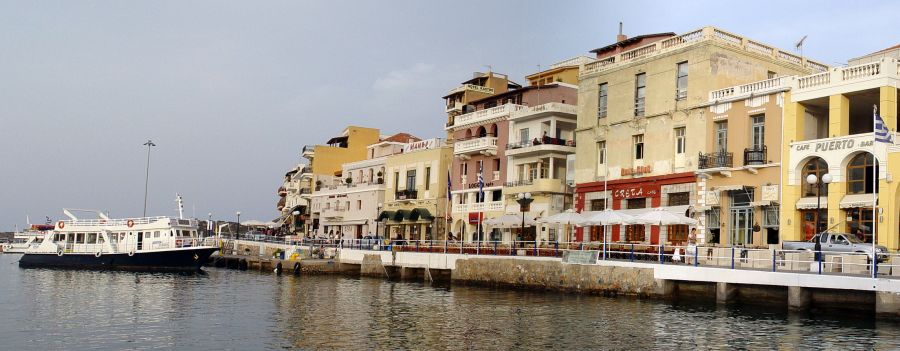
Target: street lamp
238,225
209,224
148,144
524,200
294,221
813,180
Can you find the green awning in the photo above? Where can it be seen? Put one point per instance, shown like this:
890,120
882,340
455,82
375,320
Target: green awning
420,213
385,215
400,215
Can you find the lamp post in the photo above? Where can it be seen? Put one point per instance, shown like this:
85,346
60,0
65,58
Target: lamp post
148,144
818,182
524,200
209,224
294,221
238,234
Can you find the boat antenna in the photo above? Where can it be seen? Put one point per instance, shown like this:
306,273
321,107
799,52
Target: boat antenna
180,206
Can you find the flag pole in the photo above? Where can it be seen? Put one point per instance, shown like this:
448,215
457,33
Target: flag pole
874,189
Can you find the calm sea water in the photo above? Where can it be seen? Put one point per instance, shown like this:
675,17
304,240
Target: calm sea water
233,310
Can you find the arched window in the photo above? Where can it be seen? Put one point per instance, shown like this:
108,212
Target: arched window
494,129
859,174
818,167
468,133
482,132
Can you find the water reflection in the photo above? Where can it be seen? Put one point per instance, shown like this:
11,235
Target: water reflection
230,310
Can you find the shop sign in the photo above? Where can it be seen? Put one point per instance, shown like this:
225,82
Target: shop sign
834,145
474,218
580,257
635,192
637,170
420,145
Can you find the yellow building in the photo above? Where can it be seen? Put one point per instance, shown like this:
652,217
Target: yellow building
643,120
480,86
561,72
828,124
415,200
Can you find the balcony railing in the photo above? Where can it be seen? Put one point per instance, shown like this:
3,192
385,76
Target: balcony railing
639,107
479,207
486,114
550,107
746,90
475,145
715,160
406,195
886,68
541,141
755,156
694,37
525,182
472,87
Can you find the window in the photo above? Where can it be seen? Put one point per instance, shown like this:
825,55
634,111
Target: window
496,163
601,152
411,180
859,174
771,75
598,205
640,87
770,217
634,233
638,146
358,204
480,164
602,100
679,199
464,170
396,180
679,140
722,136
636,203
859,223
523,135
712,218
758,132
682,81
677,234
427,178
818,167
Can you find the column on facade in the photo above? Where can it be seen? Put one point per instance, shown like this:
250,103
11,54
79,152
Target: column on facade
838,125
552,166
887,234
552,132
793,128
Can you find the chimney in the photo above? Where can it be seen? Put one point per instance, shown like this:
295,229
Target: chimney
621,36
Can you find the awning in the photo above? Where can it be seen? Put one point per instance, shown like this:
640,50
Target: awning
400,215
729,187
807,203
419,213
385,215
350,222
761,203
681,210
856,200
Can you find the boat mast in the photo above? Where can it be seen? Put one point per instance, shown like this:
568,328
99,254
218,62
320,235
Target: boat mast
180,206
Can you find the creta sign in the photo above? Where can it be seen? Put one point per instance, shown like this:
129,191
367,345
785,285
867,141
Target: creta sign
634,193
636,170
834,145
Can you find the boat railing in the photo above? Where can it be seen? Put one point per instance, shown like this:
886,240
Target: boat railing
112,222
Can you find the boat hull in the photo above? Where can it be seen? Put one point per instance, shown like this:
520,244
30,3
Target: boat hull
190,259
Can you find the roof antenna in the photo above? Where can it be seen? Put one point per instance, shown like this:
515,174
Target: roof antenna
799,45
621,35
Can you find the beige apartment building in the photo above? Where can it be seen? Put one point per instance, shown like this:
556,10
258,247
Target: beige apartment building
643,121
416,202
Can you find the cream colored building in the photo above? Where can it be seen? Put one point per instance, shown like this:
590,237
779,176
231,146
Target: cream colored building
643,122
416,202
294,198
828,130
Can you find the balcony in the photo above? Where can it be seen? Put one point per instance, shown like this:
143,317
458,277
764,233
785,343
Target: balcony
282,191
309,151
484,145
344,188
532,147
479,207
482,116
755,156
538,185
706,34
752,89
455,106
334,212
551,108
471,87
871,75
715,160
401,195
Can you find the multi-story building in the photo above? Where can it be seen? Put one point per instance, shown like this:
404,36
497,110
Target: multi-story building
347,204
480,86
642,121
326,161
480,140
415,201
294,201
739,169
565,71
828,129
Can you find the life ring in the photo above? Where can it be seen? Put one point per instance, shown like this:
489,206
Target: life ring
178,243
130,223
60,253
196,257
130,253
61,224
98,254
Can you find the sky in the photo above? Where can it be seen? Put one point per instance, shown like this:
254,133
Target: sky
231,91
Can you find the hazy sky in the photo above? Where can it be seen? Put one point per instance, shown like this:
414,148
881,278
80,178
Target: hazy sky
230,91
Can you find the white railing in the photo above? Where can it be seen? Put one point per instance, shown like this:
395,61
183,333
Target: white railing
575,61
887,68
474,145
116,222
553,107
480,206
454,106
814,80
696,36
486,114
472,87
745,90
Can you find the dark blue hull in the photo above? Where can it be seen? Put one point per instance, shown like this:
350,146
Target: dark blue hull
190,259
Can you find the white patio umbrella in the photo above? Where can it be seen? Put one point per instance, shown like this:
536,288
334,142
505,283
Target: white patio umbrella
662,216
256,223
509,221
569,217
607,217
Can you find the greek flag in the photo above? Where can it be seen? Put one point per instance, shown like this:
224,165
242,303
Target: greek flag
449,196
481,181
882,134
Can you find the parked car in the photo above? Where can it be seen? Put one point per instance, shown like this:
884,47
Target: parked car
837,242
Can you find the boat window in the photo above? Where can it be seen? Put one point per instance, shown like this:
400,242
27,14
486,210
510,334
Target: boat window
70,238
91,238
59,238
173,233
79,238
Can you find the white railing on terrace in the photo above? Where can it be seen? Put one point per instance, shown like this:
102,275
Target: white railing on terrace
548,107
486,114
690,38
480,207
473,145
888,68
575,61
473,87
745,90
116,222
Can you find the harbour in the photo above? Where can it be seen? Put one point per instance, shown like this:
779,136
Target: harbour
199,311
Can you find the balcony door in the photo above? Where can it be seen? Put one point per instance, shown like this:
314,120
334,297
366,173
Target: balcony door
722,136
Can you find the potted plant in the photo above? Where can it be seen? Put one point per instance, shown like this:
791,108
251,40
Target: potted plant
318,185
349,180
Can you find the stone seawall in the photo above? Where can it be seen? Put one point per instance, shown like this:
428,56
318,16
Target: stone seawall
558,276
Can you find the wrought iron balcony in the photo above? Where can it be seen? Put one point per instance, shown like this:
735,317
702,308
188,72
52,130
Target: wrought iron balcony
406,194
755,156
715,160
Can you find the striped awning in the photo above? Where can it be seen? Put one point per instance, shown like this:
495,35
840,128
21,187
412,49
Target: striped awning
856,201
808,203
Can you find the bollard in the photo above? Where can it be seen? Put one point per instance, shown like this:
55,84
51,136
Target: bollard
445,246
774,265
874,265
478,247
732,257
696,258
819,259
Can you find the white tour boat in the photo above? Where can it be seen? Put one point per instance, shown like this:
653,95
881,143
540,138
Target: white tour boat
23,240
142,244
